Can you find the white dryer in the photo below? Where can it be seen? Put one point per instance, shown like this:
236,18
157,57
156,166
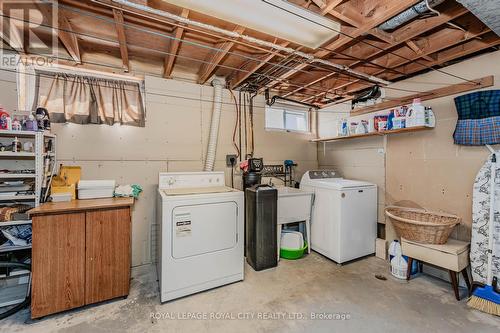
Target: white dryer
200,233
344,217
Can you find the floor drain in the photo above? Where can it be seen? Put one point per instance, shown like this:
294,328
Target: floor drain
380,277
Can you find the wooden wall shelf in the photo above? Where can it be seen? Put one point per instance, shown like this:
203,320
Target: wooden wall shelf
356,136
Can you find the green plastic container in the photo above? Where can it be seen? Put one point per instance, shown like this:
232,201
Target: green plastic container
293,254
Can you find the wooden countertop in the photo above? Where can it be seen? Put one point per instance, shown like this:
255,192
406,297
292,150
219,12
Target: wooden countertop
80,205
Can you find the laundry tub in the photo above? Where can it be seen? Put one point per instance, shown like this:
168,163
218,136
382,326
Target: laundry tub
294,205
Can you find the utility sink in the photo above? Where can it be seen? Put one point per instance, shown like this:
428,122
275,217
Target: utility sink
294,205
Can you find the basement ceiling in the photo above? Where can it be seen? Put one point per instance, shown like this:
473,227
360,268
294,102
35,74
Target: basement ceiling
278,18
121,36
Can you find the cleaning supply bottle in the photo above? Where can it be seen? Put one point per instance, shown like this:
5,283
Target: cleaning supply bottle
416,114
399,265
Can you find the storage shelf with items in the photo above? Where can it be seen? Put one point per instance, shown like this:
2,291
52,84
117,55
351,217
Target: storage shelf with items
28,159
355,136
401,119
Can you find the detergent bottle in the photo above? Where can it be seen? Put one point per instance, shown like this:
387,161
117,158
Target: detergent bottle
416,114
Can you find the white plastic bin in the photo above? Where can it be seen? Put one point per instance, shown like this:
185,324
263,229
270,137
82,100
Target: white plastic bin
94,189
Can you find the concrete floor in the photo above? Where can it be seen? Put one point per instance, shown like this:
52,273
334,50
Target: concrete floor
295,289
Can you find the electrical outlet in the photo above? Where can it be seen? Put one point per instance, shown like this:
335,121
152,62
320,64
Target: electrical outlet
228,160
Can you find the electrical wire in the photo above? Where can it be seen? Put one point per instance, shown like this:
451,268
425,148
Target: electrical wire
151,32
153,94
145,73
372,45
235,124
197,44
312,87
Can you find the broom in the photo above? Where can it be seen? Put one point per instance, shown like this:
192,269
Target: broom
487,298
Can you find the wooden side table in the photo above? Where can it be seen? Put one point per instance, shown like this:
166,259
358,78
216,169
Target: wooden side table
453,256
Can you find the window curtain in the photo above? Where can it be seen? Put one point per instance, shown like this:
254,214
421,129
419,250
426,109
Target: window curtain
90,100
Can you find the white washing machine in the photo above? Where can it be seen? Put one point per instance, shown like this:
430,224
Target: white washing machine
344,217
200,235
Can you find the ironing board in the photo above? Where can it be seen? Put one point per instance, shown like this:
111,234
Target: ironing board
480,218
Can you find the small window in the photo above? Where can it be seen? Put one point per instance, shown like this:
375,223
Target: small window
281,118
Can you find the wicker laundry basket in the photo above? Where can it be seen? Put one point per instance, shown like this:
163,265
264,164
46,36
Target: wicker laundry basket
422,226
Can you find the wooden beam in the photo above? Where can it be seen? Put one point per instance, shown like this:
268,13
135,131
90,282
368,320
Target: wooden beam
380,15
343,17
432,48
309,84
68,38
122,40
11,34
374,18
240,76
330,6
405,33
453,89
382,35
455,52
214,59
417,50
174,47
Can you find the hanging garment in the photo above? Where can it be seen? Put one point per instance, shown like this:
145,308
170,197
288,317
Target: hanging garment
478,118
480,223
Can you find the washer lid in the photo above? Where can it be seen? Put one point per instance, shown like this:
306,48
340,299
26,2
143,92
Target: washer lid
340,183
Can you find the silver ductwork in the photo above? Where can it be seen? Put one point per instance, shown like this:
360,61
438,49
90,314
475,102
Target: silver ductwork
409,14
486,10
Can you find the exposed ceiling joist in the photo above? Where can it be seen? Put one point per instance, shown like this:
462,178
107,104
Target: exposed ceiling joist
239,77
174,48
330,6
68,38
301,74
442,57
440,41
407,33
380,15
472,46
122,40
411,44
214,60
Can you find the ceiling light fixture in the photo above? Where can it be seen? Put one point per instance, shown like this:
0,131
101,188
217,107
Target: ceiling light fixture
277,18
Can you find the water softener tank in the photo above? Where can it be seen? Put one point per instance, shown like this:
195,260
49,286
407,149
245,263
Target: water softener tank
261,205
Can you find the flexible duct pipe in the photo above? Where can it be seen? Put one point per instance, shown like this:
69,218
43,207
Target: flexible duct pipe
409,14
311,58
218,84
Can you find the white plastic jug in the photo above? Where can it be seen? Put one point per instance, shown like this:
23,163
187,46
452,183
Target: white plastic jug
416,114
399,266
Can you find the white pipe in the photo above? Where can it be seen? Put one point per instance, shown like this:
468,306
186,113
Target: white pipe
218,84
311,58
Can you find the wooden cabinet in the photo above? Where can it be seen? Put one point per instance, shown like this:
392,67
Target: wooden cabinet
81,254
107,271
58,263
